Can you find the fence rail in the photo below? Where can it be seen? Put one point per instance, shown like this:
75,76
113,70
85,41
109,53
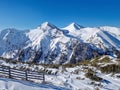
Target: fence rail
6,71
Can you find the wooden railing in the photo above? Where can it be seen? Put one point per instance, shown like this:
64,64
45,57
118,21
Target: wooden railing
27,75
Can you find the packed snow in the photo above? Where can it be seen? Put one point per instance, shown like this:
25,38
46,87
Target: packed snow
10,84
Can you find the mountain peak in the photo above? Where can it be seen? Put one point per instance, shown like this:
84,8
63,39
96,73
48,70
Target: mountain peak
73,23
47,25
73,26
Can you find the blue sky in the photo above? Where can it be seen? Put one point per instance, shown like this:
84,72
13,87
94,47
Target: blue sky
25,14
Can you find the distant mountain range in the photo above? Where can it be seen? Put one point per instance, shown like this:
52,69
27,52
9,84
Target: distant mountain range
51,44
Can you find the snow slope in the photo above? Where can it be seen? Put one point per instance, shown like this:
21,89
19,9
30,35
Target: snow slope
65,78
10,84
50,44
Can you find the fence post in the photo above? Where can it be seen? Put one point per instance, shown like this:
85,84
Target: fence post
9,72
43,77
26,73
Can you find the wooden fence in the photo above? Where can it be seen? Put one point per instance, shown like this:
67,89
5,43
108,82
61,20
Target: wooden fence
27,75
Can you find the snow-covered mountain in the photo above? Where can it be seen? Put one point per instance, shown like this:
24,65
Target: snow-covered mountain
50,44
